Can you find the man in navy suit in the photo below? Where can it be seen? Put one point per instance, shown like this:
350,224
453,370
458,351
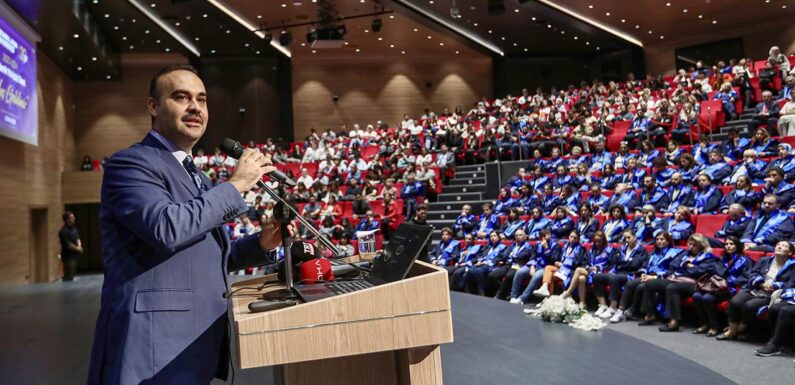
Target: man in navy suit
163,315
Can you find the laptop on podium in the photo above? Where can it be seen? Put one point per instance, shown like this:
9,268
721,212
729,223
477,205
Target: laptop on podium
403,248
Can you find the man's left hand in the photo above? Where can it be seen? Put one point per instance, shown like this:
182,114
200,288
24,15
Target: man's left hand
271,235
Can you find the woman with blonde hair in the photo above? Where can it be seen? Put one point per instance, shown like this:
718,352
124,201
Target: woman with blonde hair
680,282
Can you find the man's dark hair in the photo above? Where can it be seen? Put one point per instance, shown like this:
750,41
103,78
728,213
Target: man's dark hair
778,170
153,91
66,215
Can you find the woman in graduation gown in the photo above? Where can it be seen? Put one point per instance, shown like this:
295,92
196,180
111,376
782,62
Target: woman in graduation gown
657,265
622,263
680,282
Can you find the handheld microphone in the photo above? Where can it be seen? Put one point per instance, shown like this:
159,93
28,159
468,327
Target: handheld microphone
234,149
301,252
316,270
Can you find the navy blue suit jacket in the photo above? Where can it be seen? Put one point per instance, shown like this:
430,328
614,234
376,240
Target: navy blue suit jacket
163,315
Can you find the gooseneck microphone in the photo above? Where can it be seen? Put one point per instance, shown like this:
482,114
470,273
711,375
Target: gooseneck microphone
234,149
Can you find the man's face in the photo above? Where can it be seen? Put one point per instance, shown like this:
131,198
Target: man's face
714,157
446,236
735,213
676,179
70,221
648,183
180,110
494,238
770,205
520,236
775,177
422,214
767,97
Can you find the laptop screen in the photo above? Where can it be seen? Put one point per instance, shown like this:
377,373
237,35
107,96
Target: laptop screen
400,252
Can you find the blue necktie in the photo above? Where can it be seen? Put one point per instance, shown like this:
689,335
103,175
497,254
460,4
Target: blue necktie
190,167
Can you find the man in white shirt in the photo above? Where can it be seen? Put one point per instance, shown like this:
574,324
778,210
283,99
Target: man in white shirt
305,178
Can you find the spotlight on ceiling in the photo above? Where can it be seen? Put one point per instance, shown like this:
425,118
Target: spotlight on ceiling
377,24
285,38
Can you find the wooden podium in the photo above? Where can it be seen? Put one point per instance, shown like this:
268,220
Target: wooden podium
385,335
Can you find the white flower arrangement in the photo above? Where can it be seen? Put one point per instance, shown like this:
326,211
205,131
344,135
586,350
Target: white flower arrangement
559,309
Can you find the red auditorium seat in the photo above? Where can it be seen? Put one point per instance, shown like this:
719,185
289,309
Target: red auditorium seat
788,139
620,129
755,255
708,224
378,207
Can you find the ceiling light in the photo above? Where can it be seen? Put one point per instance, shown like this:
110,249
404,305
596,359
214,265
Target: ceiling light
391,16
662,37
153,5
165,26
667,4
623,20
107,15
684,10
391,46
380,39
157,41
284,5
107,77
784,6
146,31
649,32
212,51
313,51
204,15
595,23
429,36
503,38
714,22
590,6
116,27
358,50
607,13
132,47
257,52
415,29
475,24
516,10
402,52
525,49
456,52
124,37
93,58
533,18
575,38
366,30
637,26
259,16
700,16
60,48
228,31
75,36
196,38
285,38
247,44
515,44
441,44
79,68
177,24
168,49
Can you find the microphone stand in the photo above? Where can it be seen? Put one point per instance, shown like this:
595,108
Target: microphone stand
284,213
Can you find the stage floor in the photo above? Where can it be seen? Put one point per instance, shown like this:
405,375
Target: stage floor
46,332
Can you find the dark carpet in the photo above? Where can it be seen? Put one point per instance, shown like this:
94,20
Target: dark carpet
46,332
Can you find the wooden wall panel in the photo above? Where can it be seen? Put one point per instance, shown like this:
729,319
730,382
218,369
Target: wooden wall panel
372,89
31,177
113,115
